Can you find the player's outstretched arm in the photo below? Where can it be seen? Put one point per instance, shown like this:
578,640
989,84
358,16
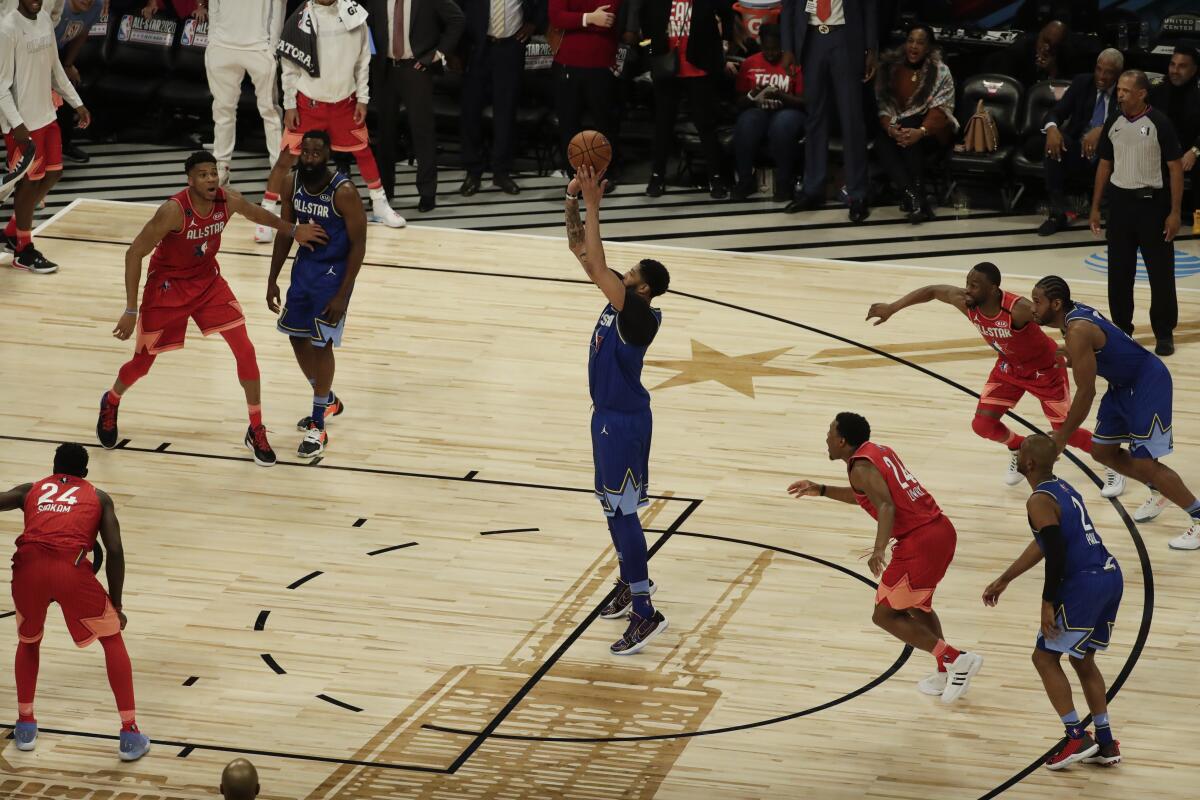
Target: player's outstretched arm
279,253
308,233
584,240
1082,358
349,204
14,497
114,564
952,295
167,219
1025,562
806,488
866,478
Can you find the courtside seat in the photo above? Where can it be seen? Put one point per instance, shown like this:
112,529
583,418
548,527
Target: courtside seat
187,86
1041,97
1002,96
138,57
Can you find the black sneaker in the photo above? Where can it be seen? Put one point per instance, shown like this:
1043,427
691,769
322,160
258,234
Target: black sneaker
1165,346
10,179
106,424
506,184
657,186
31,260
256,442
641,632
859,211
313,443
717,189
804,202
470,185
1053,224
73,152
331,411
622,602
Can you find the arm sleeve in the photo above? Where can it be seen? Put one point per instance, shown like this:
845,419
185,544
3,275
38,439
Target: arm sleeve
1055,549
564,18
362,69
291,74
1104,149
62,84
636,323
1168,142
8,68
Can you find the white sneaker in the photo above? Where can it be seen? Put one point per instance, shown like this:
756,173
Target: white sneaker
1012,477
1150,509
959,675
383,214
1114,484
933,685
263,234
1188,540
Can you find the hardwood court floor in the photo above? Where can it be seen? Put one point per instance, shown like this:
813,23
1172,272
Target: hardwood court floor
414,616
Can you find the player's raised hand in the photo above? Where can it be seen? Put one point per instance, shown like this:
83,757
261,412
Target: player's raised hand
883,311
310,234
991,595
804,488
591,185
125,326
273,297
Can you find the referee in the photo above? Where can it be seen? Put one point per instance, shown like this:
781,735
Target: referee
1139,154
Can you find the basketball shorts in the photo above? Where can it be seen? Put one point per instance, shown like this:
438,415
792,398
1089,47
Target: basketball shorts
43,575
336,119
164,327
313,285
621,452
1051,387
1138,415
1087,612
919,562
47,142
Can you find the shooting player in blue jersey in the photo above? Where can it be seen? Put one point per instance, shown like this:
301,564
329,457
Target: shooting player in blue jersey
1080,598
1136,409
621,420
314,314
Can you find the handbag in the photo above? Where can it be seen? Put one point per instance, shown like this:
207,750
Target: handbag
981,135
664,66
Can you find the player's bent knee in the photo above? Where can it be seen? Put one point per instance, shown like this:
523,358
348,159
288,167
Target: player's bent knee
884,615
987,427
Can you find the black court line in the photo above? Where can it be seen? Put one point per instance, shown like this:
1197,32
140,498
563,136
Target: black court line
905,653
358,523
471,475
191,680
301,581
273,664
337,702
509,530
515,700
383,550
245,751
315,461
7,614
261,622
185,752
162,448
121,445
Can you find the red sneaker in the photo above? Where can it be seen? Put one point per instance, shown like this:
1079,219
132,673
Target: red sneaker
1074,750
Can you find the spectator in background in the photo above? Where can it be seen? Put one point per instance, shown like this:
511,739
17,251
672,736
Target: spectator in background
1072,132
583,78
834,42
181,9
1178,96
239,780
242,36
496,32
412,39
915,92
72,33
1032,58
685,36
769,96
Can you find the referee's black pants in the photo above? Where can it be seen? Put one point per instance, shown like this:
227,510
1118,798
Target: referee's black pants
1135,222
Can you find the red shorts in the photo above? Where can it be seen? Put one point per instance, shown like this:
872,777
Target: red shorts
162,328
43,575
919,562
1052,388
336,119
48,158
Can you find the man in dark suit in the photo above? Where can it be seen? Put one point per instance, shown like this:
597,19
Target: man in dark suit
412,39
496,33
834,41
1071,133
1178,96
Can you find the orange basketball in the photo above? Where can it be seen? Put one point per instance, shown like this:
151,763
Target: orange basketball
591,148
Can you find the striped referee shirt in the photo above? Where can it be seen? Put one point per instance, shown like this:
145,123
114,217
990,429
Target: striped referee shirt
1139,149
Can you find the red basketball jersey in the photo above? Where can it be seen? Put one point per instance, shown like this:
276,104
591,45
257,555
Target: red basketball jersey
914,506
63,512
1025,351
184,263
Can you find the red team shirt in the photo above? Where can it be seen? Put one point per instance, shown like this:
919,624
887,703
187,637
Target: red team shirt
679,28
62,512
1023,353
914,505
184,265
756,72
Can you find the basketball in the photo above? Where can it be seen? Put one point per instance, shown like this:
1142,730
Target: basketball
591,148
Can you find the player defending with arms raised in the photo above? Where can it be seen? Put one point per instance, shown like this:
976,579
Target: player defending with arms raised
1136,409
63,514
621,419
185,281
314,315
925,540
1080,597
1028,361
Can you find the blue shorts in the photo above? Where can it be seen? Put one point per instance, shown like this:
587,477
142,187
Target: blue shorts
1139,415
621,452
313,285
1086,613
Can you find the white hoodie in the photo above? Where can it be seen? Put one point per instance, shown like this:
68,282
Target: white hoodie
245,24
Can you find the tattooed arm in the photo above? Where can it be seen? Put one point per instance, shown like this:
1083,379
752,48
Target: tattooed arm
584,240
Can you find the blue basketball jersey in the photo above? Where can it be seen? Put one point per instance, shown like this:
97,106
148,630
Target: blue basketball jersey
615,366
1121,360
1085,551
319,208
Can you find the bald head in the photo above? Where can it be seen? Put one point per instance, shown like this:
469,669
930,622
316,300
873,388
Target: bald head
1037,454
239,781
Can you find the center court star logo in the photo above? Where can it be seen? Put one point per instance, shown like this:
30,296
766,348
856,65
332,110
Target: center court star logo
736,372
